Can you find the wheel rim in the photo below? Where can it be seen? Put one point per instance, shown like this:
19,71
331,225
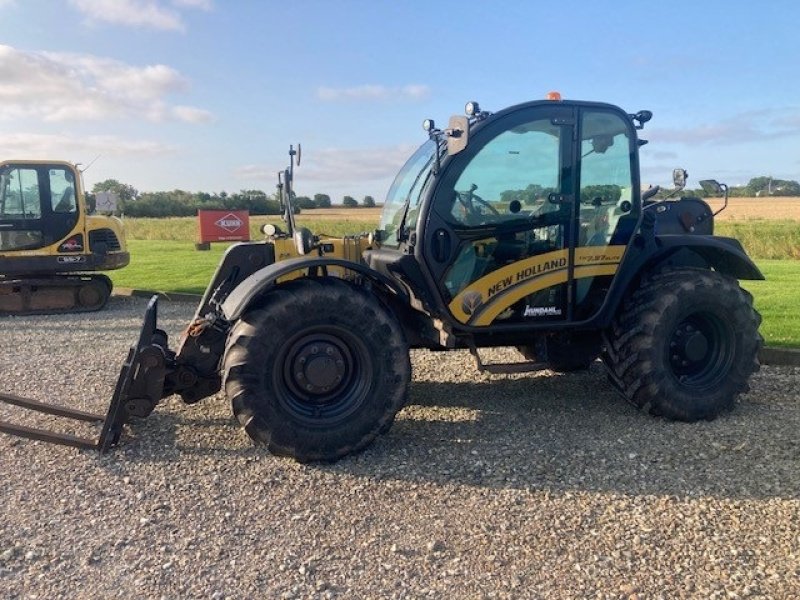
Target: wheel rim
325,376
701,350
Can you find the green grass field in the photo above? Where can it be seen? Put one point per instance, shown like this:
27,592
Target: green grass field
163,259
777,299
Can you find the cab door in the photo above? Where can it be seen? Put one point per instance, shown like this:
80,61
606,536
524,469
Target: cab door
608,203
502,220
38,207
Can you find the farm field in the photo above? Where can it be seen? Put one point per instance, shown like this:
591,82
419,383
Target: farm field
336,222
743,209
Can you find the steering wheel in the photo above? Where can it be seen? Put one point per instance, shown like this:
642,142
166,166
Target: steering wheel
469,200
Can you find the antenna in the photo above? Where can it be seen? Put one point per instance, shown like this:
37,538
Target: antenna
87,166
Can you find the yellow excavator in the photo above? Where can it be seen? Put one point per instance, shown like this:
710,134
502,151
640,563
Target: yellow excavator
50,245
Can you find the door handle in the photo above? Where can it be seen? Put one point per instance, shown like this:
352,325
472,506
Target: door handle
441,245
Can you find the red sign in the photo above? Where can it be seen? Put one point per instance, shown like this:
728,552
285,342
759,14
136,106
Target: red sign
224,225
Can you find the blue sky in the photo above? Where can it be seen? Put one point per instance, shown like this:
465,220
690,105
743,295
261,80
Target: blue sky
208,94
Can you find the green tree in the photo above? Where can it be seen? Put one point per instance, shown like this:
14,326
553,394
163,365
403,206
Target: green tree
304,202
322,201
602,194
349,201
368,201
768,186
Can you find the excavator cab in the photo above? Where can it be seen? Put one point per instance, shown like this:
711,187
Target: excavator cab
37,205
49,243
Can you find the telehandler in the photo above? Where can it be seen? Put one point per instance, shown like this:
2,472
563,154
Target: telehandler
50,246
525,227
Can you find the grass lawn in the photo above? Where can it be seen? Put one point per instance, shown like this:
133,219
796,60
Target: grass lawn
173,266
778,301
168,266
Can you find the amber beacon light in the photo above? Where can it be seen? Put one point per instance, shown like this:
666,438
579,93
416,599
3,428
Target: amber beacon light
553,96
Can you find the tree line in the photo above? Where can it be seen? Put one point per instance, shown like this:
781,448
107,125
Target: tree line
179,203
757,187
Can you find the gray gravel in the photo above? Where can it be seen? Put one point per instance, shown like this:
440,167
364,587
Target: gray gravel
531,486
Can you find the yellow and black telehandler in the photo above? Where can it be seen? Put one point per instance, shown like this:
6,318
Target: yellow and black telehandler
525,227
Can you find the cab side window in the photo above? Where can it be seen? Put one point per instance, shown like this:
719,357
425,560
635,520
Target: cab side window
62,191
513,173
507,190
606,182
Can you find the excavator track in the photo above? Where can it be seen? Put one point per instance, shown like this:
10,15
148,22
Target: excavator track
54,294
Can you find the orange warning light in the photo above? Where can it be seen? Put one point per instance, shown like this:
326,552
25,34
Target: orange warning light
553,96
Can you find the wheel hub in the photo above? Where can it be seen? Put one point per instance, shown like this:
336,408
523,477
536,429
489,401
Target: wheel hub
696,346
317,366
688,346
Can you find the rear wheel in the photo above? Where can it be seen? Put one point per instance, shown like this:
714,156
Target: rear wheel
318,370
684,344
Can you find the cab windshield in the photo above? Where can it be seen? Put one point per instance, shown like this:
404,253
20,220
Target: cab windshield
404,194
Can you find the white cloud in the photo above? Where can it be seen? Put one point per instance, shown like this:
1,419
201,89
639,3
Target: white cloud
359,164
78,147
199,4
191,114
338,167
760,125
371,91
133,13
150,14
68,87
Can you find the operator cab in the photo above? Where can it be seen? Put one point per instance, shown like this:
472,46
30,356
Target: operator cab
515,218
38,205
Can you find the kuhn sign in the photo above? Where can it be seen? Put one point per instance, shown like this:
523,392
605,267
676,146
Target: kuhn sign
224,225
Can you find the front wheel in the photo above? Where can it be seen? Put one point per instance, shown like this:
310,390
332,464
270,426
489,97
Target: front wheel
684,344
318,370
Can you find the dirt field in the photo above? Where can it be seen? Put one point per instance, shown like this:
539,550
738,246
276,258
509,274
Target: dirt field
745,209
339,213
739,209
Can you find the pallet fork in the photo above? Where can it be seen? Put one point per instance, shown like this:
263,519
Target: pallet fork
137,392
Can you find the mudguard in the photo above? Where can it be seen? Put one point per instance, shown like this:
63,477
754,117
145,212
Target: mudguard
254,285
724,255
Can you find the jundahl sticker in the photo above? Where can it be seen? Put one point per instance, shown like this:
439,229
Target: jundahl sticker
542,311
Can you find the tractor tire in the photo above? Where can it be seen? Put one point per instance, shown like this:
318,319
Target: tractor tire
684,344
564,353
317,370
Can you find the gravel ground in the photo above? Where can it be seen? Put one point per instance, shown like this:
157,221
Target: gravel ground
499,487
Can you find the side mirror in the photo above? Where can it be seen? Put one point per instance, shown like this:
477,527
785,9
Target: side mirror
679,178
711,187
457,133
640,118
